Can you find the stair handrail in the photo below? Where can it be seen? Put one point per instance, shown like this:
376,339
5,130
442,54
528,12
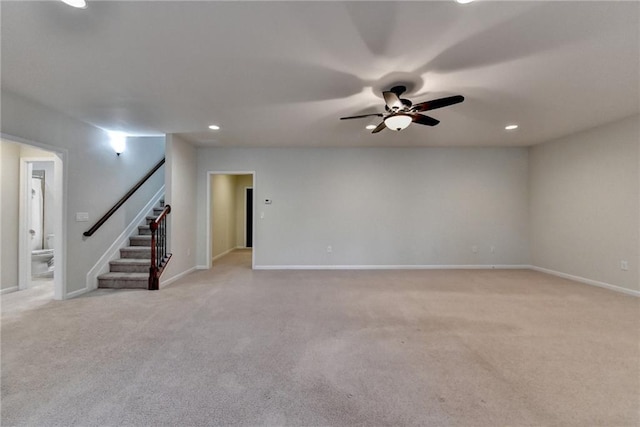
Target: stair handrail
124,198
159,255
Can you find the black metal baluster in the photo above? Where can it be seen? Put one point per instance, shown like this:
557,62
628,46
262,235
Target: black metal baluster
164,241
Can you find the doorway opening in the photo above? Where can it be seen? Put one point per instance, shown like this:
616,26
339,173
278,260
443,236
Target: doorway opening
39,215
231,218
248,217
32,218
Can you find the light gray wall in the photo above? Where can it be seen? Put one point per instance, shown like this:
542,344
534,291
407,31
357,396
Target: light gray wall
584,204
380,206
10,193
223,218
96,178
181,195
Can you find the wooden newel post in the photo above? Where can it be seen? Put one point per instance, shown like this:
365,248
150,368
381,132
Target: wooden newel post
159,256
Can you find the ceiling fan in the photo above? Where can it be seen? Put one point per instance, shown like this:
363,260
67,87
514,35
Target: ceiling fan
401,112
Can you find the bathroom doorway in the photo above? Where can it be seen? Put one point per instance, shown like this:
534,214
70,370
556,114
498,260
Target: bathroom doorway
39,200
32,232
40,221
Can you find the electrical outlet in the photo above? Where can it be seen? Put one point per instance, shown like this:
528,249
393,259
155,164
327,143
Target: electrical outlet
474,249
624,265
329,249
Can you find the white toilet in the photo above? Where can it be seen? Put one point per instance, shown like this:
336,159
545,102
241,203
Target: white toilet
42,260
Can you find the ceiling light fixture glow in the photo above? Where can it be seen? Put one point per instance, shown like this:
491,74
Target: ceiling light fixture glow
370,127
398,122
464,1
511,127
80,4
214,127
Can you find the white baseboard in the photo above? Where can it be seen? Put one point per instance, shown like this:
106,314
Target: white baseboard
178,276
453,267
201,267
587,281
102,266
392,267
223,254
8,290
77,293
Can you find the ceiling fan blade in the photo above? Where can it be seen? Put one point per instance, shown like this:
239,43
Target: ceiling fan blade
362,116
392,100
379,128
438,103
424,120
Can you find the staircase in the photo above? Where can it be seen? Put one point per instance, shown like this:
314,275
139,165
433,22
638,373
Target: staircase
131,271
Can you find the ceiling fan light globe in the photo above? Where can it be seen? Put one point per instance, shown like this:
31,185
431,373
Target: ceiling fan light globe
398,122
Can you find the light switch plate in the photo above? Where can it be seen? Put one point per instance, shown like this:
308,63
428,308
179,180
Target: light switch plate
82,216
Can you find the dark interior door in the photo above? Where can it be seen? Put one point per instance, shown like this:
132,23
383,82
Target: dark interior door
249,216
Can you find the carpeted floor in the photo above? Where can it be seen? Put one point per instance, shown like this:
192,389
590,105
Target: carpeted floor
235,346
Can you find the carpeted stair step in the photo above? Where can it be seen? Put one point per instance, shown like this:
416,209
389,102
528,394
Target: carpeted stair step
144,230
150,219
124,280
130,265
144,240
139,252
157,211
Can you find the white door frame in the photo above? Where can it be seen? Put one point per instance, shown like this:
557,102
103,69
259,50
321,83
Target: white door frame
59,225
233,172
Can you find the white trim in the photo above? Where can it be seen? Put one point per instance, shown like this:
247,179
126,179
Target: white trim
587,281
393,267
222,254
209,213
8,290
201,267
178,276
24,255
102,266
77,293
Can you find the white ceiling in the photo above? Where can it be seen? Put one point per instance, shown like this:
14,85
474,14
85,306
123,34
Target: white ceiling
282,73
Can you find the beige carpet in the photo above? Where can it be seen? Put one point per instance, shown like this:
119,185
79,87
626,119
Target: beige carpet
233,346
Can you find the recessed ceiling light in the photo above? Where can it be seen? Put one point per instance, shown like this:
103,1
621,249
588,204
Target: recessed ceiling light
464,1
370,127
214,127
511,127
80,4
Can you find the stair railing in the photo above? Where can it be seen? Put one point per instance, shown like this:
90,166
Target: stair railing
124,198
159,255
